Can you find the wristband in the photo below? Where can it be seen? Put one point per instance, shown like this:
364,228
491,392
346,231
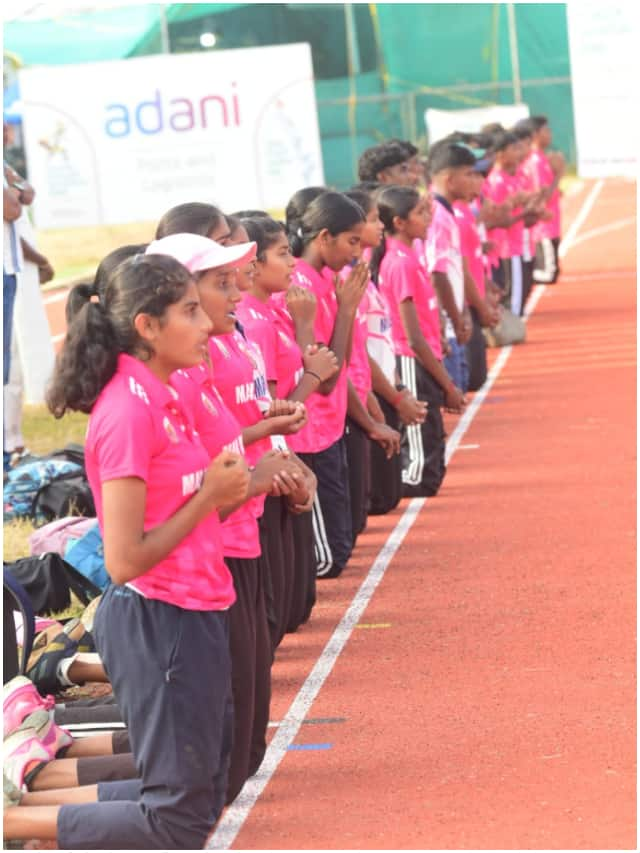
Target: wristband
399,396
311,373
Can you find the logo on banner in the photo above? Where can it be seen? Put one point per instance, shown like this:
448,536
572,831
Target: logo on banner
160,113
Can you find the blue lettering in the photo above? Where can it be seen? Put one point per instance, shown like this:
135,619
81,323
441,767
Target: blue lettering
122,119
147,105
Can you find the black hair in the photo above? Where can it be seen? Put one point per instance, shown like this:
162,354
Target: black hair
504,140
298,203
392,201
194,217
234,223
370,187
523,129
409,147
332,211
250,214
364,199
449,155
380,157
492,128
82,293
100,331
538,122
263,231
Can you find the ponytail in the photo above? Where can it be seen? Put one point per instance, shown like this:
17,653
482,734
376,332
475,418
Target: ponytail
88,358
294,212
100,330
331,211
83,293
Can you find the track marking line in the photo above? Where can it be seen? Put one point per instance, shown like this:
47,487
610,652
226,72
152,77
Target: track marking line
312,721
55,297
578,222
373,625
604,229
468,446
235,816
304,747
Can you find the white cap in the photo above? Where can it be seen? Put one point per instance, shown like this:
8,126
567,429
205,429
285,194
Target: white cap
198,253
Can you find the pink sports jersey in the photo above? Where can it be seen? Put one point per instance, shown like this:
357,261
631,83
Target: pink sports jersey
219,430
239,370
525,184
359,370
443,252
140,427
271,327
541,174
501,187
326,413
470,243
379,338
403,277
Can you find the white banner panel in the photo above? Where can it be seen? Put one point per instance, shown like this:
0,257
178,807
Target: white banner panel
603,48
441,123
114,142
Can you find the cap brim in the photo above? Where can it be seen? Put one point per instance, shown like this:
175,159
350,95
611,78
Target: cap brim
224,256
483,165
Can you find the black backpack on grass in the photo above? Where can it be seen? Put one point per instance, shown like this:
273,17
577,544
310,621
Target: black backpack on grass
49,581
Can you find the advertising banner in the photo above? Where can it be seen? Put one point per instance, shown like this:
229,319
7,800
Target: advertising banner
603,48
115,142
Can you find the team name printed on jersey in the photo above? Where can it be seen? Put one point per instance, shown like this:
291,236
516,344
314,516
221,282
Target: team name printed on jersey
245,392
192,482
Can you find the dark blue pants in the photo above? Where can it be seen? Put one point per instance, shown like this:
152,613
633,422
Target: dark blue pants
171,675
332,533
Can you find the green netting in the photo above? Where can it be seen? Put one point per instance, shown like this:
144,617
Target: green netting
405,58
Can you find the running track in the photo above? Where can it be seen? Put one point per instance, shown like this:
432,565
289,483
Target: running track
485,697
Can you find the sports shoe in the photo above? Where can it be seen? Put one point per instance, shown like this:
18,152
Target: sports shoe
11,795
43,667
89,613
19,699
36,742
23,751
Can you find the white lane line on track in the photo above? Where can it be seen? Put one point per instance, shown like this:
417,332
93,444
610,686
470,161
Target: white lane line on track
604,229
235,816
579,221
55,297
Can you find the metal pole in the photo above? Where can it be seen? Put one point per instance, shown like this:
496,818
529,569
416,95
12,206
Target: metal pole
164,30
353,68
353,51
515,59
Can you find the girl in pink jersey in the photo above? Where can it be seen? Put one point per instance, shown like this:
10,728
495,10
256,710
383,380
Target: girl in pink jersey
238,372
415,326
483,313
545,171
291,374
325,237
162,626
377,381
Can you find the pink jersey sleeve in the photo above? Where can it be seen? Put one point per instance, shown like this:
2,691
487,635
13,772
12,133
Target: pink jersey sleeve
403,280
497,190
123,439
437,245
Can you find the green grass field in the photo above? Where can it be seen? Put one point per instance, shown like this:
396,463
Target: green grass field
42,434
